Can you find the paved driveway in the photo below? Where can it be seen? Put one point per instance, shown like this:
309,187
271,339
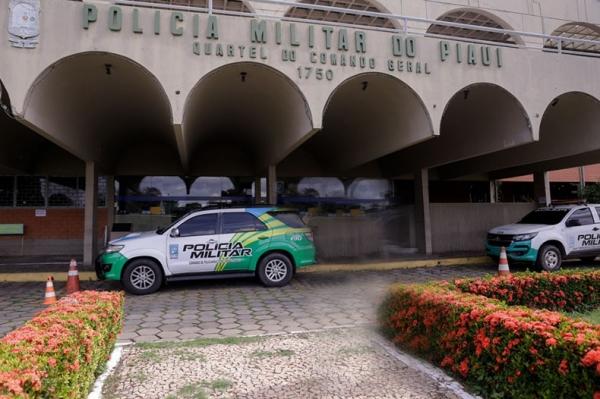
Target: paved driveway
240,307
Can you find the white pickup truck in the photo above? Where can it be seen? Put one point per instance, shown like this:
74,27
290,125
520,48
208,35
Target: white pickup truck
548,235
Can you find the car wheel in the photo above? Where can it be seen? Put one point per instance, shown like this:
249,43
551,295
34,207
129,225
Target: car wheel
275,270
142,277
549,258
588,259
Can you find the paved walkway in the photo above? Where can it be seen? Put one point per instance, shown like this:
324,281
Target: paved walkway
342,363
209,309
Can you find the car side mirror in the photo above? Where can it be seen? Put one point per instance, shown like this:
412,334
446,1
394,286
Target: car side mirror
174,232
572,223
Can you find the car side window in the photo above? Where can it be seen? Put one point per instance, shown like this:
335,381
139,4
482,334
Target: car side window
199,226
580,217
239,222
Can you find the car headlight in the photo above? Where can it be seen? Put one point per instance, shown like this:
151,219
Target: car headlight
114,248
524,237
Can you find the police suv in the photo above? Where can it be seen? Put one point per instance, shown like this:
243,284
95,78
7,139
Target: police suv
548,235
269,243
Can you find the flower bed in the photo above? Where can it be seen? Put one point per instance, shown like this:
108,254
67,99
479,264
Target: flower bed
570,291
500,350
59,352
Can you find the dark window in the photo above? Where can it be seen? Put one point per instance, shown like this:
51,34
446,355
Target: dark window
199,226
238,222
545,216
291,219
7,190
581,217
65,191
31,191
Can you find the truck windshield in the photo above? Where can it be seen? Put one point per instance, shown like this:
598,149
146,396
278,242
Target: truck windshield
545,216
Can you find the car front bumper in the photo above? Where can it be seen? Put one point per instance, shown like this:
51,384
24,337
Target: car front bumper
519,251
109,266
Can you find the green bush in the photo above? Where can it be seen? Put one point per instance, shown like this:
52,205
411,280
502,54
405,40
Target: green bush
501,351
569,291
59,352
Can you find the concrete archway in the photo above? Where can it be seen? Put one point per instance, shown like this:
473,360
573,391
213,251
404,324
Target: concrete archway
569,136
336,17
106,108
576,30
475,17
366,117
242,117
479,119
23,151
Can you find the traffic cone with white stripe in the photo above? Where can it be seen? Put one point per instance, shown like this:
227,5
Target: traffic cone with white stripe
503,269
50,296
73,278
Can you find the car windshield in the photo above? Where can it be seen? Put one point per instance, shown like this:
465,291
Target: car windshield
545,216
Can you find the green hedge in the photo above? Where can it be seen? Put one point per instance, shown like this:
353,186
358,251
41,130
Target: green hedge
60,351
501,351
570,291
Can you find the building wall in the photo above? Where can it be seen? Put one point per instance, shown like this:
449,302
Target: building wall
60,232
463,227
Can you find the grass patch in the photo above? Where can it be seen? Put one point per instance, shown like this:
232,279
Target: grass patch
198,343
356,350
275,353
188,355
139,377
197,390
221,384
190,391
592,316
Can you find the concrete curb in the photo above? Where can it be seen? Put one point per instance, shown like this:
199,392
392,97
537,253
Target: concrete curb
115,357
427,369
322,268
395,265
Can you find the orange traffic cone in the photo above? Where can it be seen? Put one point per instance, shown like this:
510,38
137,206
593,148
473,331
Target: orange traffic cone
50,296
503,269
72,278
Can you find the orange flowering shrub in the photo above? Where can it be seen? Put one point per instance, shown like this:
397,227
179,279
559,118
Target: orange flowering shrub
567,291
59,352
499,350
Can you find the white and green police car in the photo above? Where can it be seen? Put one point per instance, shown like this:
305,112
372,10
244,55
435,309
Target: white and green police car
548,235
269,243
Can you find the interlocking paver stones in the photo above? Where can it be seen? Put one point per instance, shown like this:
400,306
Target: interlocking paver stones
311,301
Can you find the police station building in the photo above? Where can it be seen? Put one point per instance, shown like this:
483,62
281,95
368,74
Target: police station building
389,124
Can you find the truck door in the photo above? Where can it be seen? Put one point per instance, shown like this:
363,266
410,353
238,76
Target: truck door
582,233
192,246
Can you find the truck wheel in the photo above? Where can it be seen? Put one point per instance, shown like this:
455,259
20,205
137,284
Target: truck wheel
142,277
549,258
588,259
275,270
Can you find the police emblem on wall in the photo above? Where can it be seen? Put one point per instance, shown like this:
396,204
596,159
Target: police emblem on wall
24,23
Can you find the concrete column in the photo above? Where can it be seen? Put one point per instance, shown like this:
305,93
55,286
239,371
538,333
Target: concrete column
581,179
493,191
90,239
110,203
257,190
272,185
541,188
422,212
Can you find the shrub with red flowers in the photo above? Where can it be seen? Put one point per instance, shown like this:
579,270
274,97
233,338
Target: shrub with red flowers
566,291
59,352
499,350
